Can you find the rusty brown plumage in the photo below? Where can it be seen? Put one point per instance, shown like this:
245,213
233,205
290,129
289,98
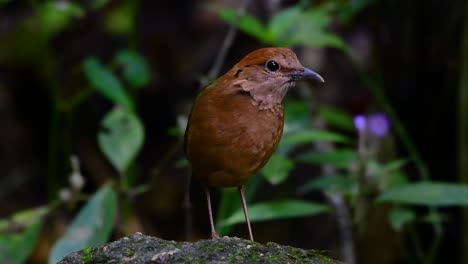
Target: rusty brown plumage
236,122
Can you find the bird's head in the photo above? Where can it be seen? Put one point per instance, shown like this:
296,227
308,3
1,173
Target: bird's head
268,73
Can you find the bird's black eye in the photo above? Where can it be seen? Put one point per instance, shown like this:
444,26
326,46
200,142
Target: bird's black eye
272,65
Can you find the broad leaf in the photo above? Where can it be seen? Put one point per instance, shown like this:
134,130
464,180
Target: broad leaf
16,248
120,19
55,16
104,81
281,23
310,29
246,23
277,169
398,217
335,183
24,218
121,137
276,210
429,194
297,116
337,117
135,68
91,227
310,135
394,165
341,158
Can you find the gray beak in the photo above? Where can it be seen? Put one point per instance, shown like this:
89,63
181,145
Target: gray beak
305,75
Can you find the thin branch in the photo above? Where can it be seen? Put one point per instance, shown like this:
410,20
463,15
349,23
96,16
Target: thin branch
226,45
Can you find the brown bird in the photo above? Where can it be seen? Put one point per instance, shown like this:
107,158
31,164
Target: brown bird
236,122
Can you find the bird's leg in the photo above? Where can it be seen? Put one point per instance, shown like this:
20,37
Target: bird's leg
246,213
210,213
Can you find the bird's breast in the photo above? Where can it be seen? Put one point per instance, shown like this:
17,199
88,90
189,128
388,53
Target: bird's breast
230,138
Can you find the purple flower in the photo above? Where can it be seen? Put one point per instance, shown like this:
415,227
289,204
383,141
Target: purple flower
360,123
377,124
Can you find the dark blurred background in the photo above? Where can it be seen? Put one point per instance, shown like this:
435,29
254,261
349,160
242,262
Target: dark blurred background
412,50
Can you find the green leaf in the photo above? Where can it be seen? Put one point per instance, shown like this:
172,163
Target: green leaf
25,217
297,116
276,210
394,165
341,158
4,2
428,194
310,135
16,248
55,16
121,137
282,22
246,23
277,169
310,29
96,4
135,68
435,217
105,82
120,19
337,117
398,217
91,227
335,183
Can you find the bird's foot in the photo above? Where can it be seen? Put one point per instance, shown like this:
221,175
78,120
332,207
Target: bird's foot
214,235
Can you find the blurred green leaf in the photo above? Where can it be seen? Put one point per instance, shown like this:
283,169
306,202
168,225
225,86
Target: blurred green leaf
181,163
337,117
281,23
310,135
394,165
435,217
297,116
310,29
392,180
96,4
398,217
229,203
91,227
175,131
276,210
25,217
349,9
135,68
428,194
104,81
121,19
246,23
4,2
380,170
16,248
332,183
121,137
277,169
290,27
55,16
341,158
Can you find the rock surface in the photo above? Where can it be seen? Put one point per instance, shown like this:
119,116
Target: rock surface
138,248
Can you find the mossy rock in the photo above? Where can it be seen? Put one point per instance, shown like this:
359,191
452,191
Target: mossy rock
138,248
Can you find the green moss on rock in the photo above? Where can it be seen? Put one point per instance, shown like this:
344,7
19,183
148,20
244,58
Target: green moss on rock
138,248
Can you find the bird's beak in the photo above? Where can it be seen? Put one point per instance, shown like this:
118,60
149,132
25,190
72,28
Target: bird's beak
305,75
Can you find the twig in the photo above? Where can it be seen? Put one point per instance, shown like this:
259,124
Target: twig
226,45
